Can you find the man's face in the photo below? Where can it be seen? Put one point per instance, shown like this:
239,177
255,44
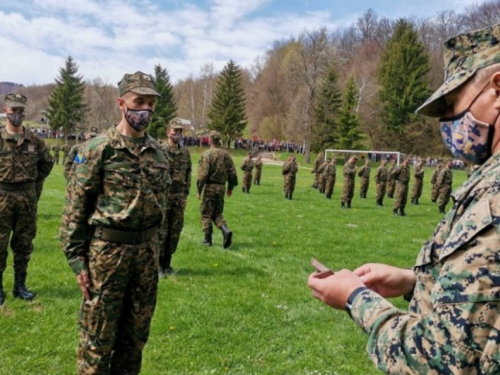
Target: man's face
134,101
384,163
9,110
174,132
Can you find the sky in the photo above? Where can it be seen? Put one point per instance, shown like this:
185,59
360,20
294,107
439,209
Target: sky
108,38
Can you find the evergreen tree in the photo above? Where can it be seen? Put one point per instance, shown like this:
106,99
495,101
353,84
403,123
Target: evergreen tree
166,107
402,76
227,112
66,107
348,134
326,113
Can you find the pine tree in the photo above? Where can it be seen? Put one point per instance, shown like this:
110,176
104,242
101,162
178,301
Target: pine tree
166,107
326,113
402,76
66,107
227,112
348,134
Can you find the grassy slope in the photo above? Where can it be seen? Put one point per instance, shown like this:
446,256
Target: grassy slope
245,310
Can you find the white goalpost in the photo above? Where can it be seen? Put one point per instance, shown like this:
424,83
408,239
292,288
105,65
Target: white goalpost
366,152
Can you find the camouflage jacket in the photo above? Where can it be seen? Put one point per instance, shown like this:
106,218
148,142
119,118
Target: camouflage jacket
317,164
381,174
401,174
364,172
418,173
290,169
322,167
259,164
70,158
118,183
350,170
445,177
66,148
247,165
181,167
56,148
216,167
452,323
390,170
330,170
434,175
25,160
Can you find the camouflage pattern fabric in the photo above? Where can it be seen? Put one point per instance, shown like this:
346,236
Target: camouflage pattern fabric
391,183
247,168
444,182
258,172
349,176
381,176
451,326
120,183
321,176
317,163
402,176
330,174
139,83
289,172
215,168
70,159
66,149
418,182
56,148
364,181
15,100
435,187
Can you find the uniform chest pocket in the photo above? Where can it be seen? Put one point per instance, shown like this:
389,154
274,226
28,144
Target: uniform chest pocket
157,174
126,175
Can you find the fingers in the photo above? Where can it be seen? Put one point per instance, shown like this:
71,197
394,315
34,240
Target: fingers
363,270
84,283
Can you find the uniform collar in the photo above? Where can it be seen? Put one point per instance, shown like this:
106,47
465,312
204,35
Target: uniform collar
8,136
118,141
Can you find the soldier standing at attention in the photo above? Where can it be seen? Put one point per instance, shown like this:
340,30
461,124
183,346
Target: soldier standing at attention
330,173
70,159
25,162
418,182
364,181
66,148
321,176
391,182
317,163
115,204
381,176
56,148
402,176
435,187
444,182
215,168
247,168
348,188
179,160
258,170
289,172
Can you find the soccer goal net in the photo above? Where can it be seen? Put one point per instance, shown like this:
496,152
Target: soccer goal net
373,155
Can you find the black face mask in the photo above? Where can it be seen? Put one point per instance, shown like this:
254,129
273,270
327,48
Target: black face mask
16,119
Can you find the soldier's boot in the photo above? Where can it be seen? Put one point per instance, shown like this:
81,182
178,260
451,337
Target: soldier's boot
286,195
342,205
402,211
208,239
379,204
416,202
161,269
20,290
433,200
348,204
329,196
167,264
290,195
412,201
395,211
2,294
228,235
441,210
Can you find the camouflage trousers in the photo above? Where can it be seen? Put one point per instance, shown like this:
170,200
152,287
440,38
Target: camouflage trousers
347,190
289,184
173,223
391,187
364,183
435,192
381,188
115,322
321,183
212,206
416,192
56,157
330,184
316,180
246,183
444,196
18,212
401,196
257,176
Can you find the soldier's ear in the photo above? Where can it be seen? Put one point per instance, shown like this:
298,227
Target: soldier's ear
495,84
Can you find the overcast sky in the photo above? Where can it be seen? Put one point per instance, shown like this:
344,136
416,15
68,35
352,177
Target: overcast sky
108,38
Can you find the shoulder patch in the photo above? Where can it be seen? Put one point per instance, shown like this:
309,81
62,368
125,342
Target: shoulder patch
80,159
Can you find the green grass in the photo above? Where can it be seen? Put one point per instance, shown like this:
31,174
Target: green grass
245,310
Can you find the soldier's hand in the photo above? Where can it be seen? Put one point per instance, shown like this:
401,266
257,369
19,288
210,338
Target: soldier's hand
229,193
334,290
83,280
388,281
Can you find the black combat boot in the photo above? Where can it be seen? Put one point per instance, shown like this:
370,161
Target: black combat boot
287,194
228,235
416,202
328,196
348,204
208,239
433,201
402,211
166,264
342,205
412,201
20,290
2,294
441,210
378,203
395,211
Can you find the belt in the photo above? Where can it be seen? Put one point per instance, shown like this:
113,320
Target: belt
17,186
122,236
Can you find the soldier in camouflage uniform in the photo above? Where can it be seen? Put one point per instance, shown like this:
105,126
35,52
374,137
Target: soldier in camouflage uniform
364,178
66,148
25,162
435,187
289,172
381,176
115,205
258,170
451,326
69,161
330,173
56,148
247,168
179,159
418,182
215,168
402,176
444,182
391,182
349,179
317,163
321,177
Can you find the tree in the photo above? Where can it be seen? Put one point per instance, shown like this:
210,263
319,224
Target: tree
66,108
166,107
402,77
326,112
227,111
348,134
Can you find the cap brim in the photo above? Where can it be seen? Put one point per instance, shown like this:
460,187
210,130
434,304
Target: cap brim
145,91
14,105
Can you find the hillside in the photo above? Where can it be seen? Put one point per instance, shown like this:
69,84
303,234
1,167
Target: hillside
8,87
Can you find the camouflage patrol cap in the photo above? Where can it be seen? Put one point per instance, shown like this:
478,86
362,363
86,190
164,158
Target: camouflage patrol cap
463,56
214,136
139,83
175,123
249,153
15,100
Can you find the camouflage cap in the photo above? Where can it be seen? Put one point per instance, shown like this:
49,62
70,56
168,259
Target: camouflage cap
15,100
214,136
139,83
463,56
175,123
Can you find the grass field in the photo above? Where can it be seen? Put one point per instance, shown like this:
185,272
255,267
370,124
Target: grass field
245,310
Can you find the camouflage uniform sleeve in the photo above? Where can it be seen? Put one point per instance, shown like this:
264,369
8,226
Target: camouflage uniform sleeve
232,176
81,195
45,164
203,170
439,178
377,175
189,170
68,162
395,173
